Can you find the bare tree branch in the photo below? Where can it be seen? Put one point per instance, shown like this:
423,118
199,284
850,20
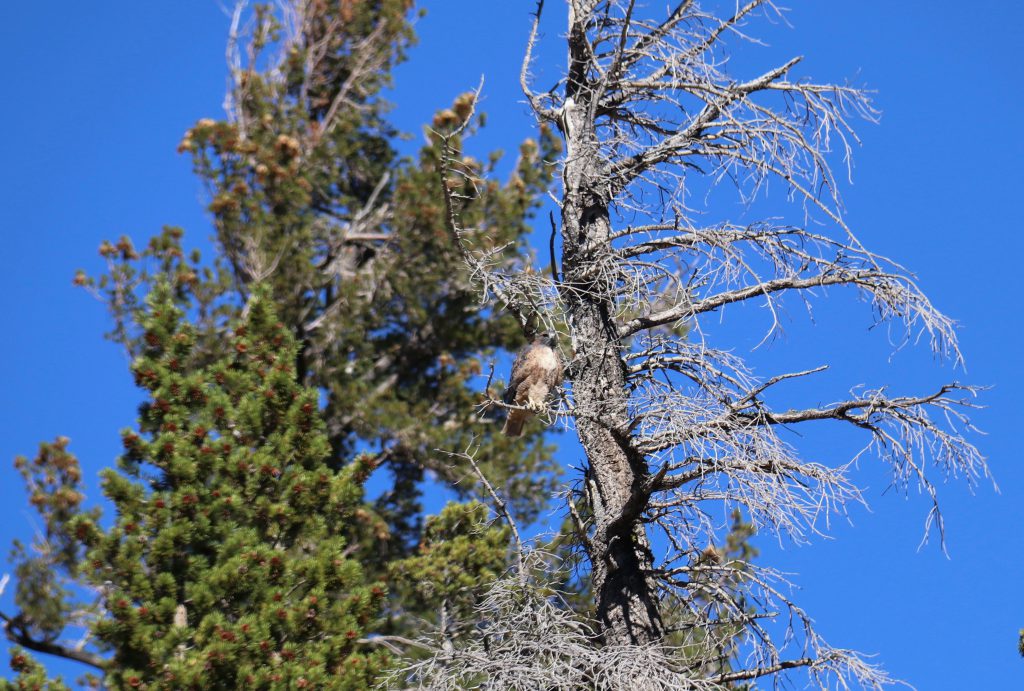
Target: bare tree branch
678,432
19,635
500,505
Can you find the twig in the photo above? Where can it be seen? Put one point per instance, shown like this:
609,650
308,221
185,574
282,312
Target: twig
499,503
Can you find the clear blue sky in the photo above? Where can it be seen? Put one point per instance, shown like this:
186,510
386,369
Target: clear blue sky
97,96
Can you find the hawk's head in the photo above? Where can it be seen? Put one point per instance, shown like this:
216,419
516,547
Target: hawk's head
547,338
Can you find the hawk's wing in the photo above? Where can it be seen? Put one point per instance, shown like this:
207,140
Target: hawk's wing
520,370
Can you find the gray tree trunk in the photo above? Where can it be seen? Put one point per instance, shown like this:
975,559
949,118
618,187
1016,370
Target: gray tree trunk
627,607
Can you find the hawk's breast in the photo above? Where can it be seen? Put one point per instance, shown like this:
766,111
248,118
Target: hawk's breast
544,358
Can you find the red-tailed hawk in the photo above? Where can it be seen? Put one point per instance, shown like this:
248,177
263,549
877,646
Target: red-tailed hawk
536,372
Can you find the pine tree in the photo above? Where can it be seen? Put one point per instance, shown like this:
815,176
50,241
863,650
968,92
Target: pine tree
461,554
46,570
308,196
227,564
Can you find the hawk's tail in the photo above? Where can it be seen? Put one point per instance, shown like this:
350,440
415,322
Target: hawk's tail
514,423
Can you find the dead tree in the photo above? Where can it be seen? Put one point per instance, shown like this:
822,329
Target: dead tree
673,426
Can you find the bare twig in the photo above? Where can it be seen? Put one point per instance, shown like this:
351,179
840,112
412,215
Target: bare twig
676,431
502,507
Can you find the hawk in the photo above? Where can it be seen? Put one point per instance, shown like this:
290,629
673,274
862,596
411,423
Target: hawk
536,372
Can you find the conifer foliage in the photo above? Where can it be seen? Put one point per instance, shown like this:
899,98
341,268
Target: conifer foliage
309,199
226,566
308,196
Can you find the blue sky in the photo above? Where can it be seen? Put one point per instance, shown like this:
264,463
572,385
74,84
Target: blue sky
98,95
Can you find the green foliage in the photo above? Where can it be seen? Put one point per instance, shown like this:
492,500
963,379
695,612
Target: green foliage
308,197
31,676
380,338
227,564
44,570
460,555
197,287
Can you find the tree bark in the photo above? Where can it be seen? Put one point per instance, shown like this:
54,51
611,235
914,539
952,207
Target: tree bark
627,608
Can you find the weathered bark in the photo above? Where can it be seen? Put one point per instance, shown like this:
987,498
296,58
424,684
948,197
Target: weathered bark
627,607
